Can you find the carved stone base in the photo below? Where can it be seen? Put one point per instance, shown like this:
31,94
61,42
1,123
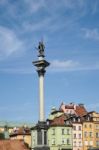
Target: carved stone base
40,131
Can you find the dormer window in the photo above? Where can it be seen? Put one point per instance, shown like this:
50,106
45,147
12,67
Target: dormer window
74,119
88,118
67,122
78,119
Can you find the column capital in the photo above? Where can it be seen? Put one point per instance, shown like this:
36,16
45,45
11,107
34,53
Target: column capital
41,72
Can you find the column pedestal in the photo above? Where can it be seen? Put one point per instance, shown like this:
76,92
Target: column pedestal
40,133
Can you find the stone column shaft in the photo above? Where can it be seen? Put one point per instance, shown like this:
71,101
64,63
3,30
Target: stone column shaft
41,98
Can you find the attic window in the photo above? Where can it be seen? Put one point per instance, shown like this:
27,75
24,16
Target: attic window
74,119
67,122
88,118
78,119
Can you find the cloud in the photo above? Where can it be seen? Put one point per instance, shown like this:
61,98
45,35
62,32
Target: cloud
91,33
41,15
64,64
9,43
34,5
70,65
56,66
34,27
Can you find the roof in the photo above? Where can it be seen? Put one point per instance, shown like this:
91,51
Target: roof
54,115
58,121
21,131
12,145
78,110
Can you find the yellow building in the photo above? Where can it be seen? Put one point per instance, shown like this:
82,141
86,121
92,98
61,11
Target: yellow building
95,117
88,135
91,130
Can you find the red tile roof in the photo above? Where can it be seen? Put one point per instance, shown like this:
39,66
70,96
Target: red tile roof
21,131
12,145
78,110
58,120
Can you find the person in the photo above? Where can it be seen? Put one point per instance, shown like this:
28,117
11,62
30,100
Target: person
41,48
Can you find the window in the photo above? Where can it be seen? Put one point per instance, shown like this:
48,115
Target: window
74,127
63,131
71,112
88,118
63,141
90,126
79,127
79,136
74,119
85,134
97,143
90,143
86,143
67,122
74,144
80,144
74,136
53,131
68,141
78,119
85,126
68,131
97,134
90,134
97,126
53,141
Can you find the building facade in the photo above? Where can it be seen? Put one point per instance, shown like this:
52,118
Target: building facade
77,132
23,134
60,133
88,132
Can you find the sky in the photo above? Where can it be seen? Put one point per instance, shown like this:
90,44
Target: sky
70,32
